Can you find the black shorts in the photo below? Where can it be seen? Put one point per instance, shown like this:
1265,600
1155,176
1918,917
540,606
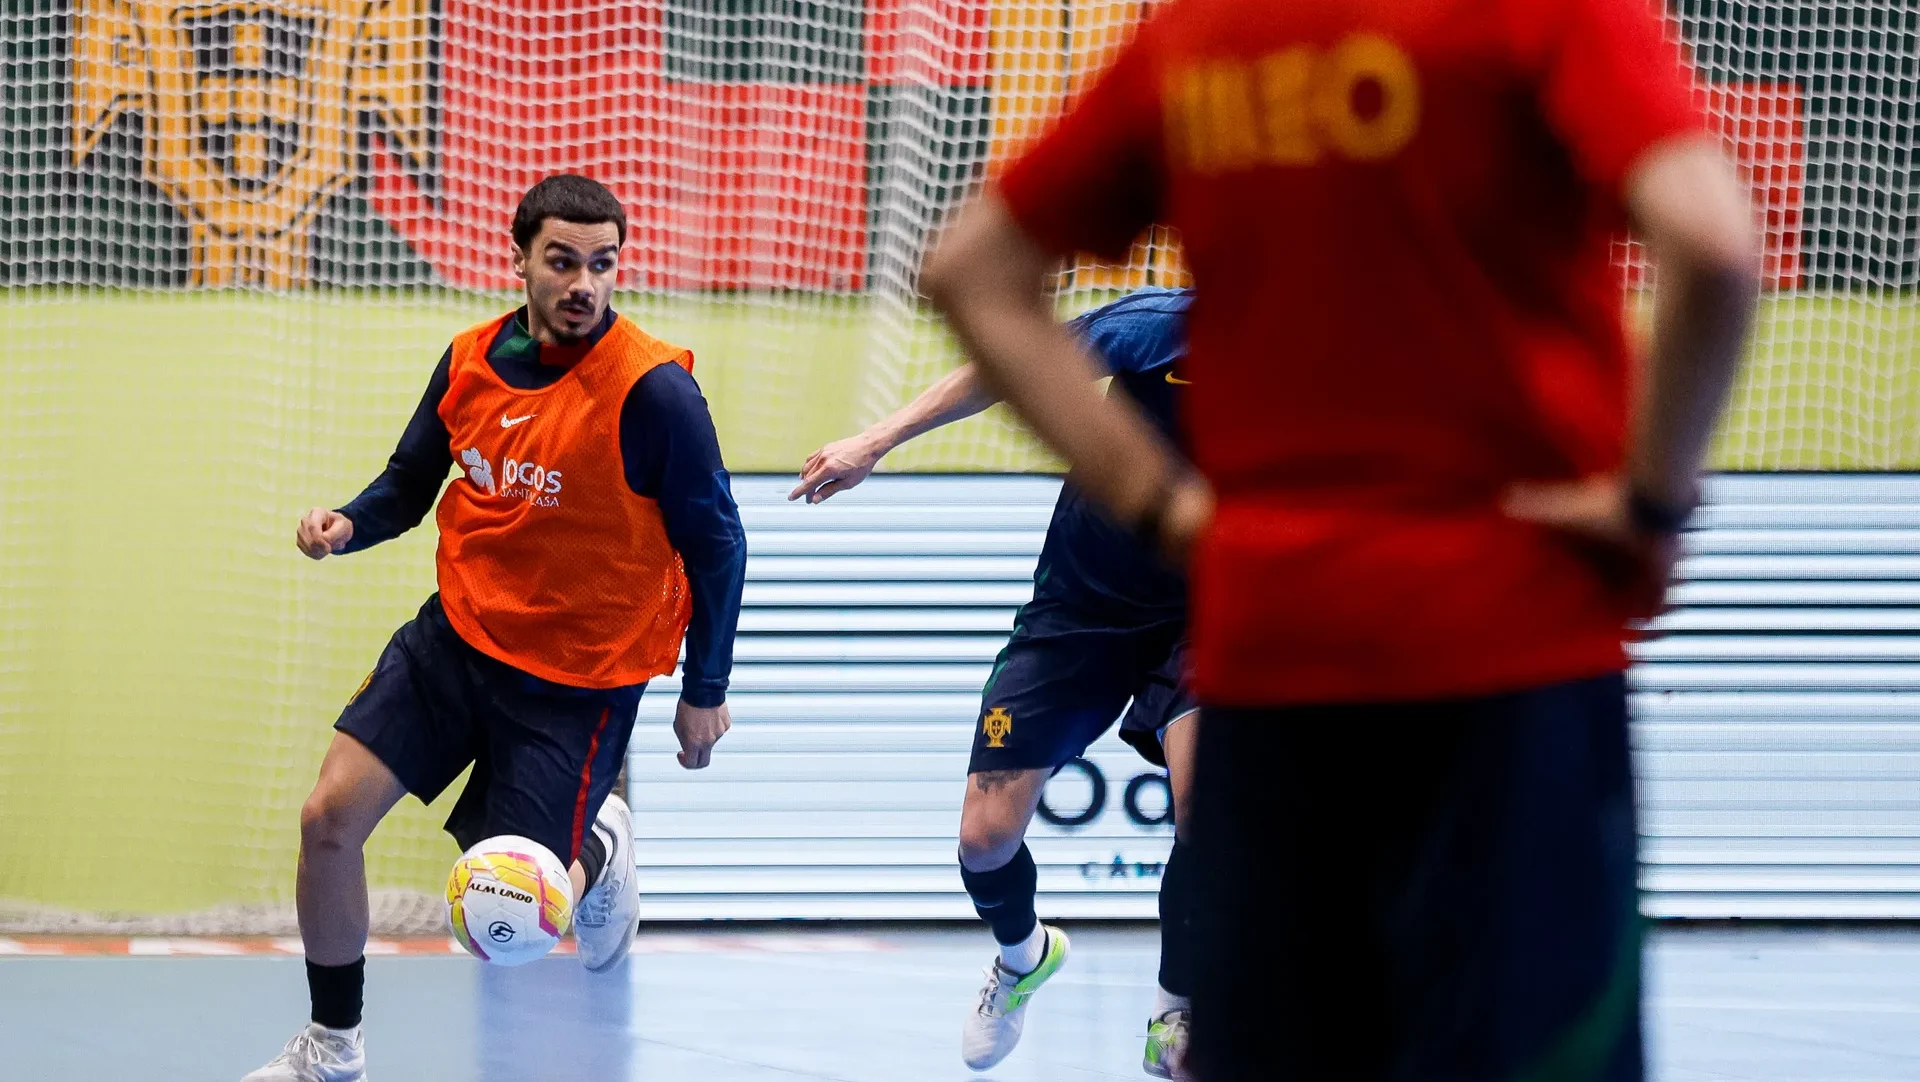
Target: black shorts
544,756
1421,892
1063,678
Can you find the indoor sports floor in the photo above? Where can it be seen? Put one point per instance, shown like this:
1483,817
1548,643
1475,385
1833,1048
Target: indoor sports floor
858,1005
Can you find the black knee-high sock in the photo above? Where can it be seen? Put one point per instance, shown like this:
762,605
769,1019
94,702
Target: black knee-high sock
338,993
593,857
1004,896
1176,923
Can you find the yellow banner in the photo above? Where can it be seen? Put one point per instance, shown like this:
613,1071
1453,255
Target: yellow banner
250,111
1044,55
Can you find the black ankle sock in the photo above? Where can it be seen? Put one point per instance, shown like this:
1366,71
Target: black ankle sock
338,993
1176,923
593,857
1004,896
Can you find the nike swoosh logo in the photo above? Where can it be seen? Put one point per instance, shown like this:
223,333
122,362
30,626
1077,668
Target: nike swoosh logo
1178,382
509,422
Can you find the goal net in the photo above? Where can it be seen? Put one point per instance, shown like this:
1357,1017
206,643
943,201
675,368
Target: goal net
238,234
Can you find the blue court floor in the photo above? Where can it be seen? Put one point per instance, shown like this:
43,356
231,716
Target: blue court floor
870,1006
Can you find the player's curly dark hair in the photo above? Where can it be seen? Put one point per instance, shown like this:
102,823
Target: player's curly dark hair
570,198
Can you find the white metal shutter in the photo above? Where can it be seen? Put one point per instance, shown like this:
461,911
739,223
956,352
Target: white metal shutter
1778,723
1778,720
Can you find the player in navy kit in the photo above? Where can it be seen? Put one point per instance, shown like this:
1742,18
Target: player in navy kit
1104,633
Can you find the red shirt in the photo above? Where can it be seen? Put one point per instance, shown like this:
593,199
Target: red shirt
1398,216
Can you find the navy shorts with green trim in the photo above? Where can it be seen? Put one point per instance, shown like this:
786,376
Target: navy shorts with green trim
544,756
1064,677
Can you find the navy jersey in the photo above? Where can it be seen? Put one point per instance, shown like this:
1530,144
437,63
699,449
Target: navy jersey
1088,559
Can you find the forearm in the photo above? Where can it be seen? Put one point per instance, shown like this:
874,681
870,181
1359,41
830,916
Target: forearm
1697,223
988,279
954,397
394,503
401,496
716,578
1701,318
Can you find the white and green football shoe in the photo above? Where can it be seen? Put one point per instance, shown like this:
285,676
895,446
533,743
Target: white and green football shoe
993,1029
1166,1043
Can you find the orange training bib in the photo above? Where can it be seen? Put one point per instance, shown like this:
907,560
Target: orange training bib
548,561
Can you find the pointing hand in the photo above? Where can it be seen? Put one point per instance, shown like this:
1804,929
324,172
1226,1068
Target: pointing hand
836,467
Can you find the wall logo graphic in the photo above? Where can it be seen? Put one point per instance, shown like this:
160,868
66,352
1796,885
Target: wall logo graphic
479,470
252,112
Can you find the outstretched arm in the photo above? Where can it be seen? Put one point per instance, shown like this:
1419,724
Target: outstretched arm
401,496
845,463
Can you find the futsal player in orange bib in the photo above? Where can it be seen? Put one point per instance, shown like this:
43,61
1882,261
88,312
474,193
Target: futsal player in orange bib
589,531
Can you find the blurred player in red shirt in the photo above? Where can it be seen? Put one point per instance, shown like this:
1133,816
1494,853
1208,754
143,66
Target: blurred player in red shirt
1431,495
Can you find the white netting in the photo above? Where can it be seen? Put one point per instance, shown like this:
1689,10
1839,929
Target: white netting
238,233
1816,102
973,85
1819,105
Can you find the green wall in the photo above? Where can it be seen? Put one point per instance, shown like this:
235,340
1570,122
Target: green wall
169,665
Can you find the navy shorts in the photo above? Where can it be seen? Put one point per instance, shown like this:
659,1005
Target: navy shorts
544,756
1063,678
1418,892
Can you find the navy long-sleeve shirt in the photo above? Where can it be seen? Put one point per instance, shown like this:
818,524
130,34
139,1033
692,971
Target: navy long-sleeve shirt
669,454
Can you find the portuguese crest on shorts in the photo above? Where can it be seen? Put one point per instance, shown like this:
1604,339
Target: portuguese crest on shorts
997,724
252,112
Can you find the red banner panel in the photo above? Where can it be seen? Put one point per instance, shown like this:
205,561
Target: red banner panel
732,185
1765,127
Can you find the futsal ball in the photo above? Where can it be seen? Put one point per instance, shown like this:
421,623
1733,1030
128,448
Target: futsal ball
509,900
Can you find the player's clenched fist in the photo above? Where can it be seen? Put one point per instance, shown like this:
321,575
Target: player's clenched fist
699,729
323,533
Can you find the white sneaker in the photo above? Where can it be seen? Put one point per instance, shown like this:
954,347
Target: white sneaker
318,1054
994,1027
605,920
